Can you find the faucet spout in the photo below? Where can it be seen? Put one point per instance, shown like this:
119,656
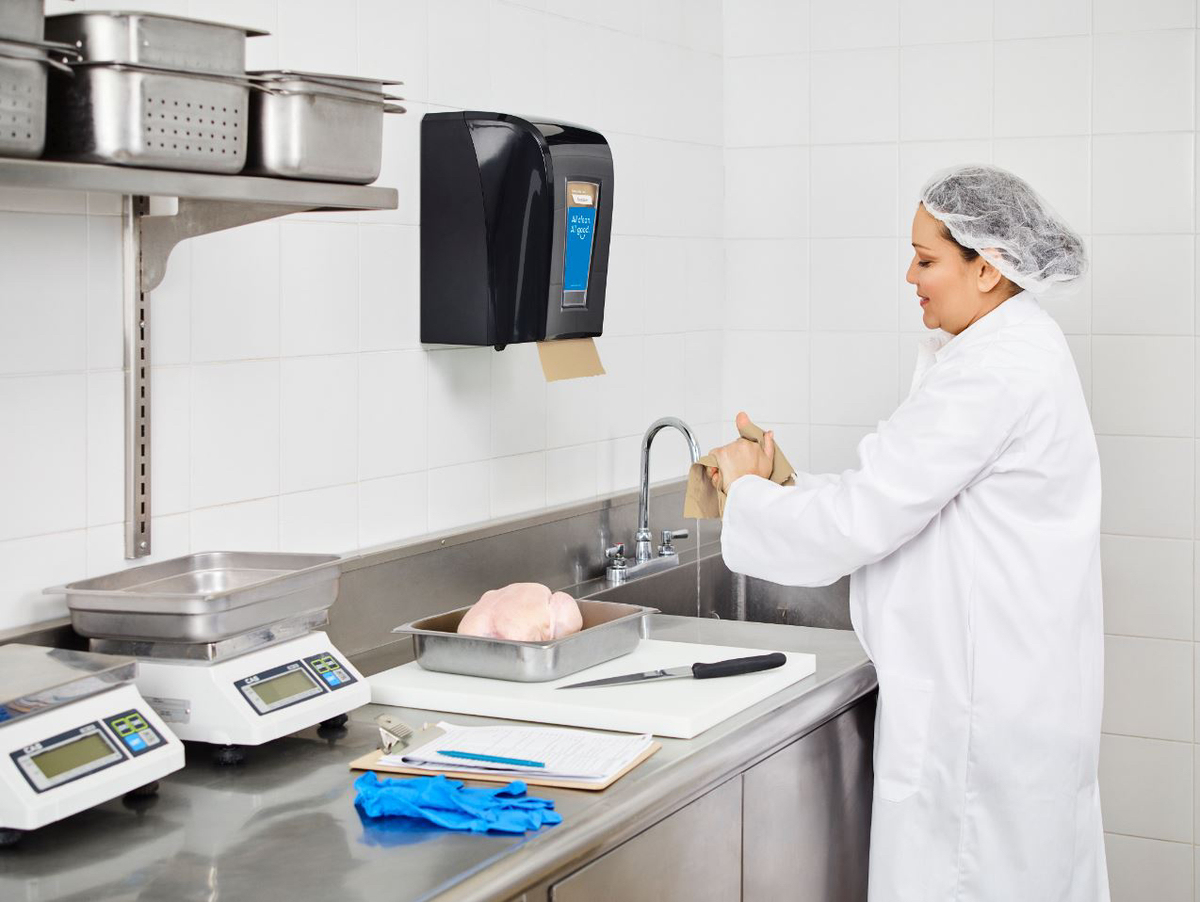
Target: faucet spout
643,539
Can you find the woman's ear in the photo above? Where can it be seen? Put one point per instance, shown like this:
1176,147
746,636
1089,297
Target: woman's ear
988,277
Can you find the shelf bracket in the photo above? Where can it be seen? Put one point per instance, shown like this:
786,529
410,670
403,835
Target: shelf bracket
160,234
147,242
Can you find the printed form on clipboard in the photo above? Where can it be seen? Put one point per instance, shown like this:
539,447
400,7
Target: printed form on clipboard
566,754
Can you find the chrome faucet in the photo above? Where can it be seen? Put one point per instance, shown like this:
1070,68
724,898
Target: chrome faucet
643,549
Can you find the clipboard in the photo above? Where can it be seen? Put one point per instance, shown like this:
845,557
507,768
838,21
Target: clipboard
370,761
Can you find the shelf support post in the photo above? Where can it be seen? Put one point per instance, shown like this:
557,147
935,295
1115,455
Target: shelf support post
137,380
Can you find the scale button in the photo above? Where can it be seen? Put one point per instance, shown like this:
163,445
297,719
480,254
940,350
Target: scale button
331,679
149,737
135,743
342,675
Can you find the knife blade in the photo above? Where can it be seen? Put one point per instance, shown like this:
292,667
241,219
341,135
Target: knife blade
699,671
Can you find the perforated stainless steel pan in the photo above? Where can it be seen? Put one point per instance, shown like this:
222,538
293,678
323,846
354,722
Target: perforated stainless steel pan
22,103
144,116
21,19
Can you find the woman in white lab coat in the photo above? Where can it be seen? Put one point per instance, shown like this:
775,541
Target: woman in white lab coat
971,528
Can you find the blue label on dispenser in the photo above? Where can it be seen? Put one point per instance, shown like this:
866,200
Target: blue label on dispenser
581,226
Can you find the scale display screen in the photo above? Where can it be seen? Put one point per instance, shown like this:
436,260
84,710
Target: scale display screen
69,756
283,687
75,754
583,199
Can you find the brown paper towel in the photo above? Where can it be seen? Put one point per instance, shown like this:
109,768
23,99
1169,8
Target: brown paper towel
569,358
706,502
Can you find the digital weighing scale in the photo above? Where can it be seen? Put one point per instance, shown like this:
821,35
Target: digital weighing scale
228,644
247,690
74,732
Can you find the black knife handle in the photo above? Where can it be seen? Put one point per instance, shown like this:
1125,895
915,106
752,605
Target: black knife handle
734,666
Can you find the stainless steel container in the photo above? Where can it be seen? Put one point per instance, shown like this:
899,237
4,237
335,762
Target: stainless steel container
146,39
37,679
21,19
22,102
609,630
349,85
307,125
142,116
203,597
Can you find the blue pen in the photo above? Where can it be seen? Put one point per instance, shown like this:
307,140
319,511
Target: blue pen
494,759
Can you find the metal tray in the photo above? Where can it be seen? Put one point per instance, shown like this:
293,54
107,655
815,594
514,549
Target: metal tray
171,42
347,85
321,127
202,597
37,679
22,104
21,19
141,116
609,630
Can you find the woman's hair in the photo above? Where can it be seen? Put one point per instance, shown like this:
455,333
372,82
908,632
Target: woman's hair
969,254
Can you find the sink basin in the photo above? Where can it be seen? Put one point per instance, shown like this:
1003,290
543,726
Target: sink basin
707,588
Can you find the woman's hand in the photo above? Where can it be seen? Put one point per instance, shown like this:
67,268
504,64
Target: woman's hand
743,457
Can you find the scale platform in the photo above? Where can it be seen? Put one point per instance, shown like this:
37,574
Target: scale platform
74,732
230,695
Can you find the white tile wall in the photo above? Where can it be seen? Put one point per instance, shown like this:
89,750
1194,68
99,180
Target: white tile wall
295,408
934,107
1094,102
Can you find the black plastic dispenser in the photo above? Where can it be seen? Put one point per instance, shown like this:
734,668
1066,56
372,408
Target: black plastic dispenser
516,218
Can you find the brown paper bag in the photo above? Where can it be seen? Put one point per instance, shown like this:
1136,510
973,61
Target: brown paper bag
705,502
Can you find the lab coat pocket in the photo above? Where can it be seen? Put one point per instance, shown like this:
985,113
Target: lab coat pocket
901,734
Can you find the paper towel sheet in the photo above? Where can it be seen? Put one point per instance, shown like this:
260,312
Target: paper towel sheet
706,502
569,358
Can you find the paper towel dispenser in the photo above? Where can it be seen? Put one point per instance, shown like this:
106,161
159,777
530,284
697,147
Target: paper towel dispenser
516,218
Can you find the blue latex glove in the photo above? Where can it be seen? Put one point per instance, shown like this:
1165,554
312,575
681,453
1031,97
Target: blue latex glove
449,804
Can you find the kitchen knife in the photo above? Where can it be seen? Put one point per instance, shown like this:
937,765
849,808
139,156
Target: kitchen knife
699,671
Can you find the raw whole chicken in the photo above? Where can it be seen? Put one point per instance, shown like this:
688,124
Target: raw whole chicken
528,612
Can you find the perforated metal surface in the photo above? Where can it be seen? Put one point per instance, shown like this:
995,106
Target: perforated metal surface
146,117
189,124
22,107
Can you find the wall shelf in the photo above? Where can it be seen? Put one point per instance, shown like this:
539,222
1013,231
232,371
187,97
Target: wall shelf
198,185
206,203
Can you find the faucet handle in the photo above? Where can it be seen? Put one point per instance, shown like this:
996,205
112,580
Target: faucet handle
615,572
666,549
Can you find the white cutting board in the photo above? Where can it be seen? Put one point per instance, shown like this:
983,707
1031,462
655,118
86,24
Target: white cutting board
678,708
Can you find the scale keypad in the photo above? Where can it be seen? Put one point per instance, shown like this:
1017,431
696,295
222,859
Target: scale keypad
330,670
131,728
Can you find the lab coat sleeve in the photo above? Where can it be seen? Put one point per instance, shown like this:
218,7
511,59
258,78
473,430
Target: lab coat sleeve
940,439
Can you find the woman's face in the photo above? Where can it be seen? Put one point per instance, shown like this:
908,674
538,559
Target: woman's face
952,291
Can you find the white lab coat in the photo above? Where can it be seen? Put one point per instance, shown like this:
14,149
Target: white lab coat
971,529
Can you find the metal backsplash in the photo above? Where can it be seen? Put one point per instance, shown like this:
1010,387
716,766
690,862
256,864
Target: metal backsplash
392,584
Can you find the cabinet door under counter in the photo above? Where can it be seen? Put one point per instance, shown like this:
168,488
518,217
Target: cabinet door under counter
693,855
794,826
807,814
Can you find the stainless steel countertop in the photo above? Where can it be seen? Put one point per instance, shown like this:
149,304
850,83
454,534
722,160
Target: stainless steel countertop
283,825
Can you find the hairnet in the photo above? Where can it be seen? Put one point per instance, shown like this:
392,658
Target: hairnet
997,214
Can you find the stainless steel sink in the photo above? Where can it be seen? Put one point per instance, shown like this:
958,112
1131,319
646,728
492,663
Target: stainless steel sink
707,588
